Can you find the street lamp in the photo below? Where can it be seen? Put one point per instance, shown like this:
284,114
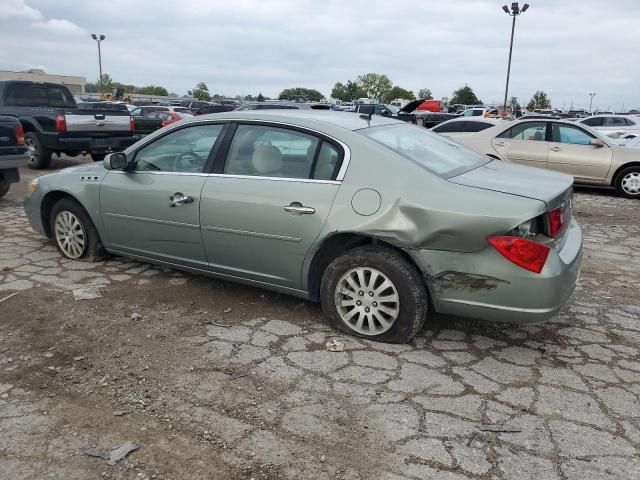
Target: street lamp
514,12
99,39
591,100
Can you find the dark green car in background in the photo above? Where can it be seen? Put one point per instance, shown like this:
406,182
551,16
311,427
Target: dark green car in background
379,220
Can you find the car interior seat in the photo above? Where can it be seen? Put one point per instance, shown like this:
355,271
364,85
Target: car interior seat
267,160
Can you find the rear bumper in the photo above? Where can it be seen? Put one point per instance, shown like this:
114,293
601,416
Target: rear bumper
487,286
88,144
13,161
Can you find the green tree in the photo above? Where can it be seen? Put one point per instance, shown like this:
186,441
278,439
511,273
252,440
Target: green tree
354,91
309,94
513,101
248,98
260,97
539,100
425,93
465,96
399,92
340,92
374,85
201,92
152,90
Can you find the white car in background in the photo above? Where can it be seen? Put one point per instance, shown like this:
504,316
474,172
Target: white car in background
614,126
567,147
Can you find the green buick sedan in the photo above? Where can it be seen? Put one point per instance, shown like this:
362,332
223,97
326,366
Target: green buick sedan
381,221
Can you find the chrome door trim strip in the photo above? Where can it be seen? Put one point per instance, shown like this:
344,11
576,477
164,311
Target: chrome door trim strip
252,234
153,220
226,175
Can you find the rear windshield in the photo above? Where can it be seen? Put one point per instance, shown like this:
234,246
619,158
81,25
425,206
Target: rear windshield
39,95
437,154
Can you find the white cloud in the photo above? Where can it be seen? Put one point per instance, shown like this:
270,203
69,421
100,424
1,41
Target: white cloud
59,27
17,9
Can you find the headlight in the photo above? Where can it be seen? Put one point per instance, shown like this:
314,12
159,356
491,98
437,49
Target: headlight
33,186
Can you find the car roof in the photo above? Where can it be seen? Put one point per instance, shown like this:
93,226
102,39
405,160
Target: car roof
311,118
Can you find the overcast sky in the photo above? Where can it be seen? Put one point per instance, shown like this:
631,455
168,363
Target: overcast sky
567,48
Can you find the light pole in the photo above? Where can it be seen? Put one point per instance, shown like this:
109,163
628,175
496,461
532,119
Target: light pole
591,100
514,12
99,39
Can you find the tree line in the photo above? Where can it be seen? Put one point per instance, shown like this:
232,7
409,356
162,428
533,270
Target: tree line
370,85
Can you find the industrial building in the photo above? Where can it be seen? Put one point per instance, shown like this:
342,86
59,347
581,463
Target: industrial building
75,84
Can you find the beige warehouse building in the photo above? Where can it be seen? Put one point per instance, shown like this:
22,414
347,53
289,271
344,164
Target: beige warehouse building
75,84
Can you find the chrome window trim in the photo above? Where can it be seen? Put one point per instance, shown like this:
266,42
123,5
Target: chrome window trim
225,175
346,159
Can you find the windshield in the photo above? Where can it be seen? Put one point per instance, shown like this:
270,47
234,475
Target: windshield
430,150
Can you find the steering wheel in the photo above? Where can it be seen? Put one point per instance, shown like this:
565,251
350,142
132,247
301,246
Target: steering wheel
188,162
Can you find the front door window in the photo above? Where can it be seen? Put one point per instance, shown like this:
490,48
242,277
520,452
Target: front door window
185,150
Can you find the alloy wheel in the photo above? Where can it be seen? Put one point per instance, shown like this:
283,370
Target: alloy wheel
631,183
367,301
32,149
70,234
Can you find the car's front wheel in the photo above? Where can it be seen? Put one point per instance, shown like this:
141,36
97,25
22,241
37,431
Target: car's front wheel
373,292
74,233
627,182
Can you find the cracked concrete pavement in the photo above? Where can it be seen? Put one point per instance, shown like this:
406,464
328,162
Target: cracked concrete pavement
216,380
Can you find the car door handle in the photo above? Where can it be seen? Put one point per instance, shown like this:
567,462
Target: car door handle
555,149
179,198
500,144
297,207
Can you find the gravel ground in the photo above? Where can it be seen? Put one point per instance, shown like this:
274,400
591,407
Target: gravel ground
219,381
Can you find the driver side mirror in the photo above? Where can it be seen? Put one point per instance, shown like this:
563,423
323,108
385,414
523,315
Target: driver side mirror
596,142
115,161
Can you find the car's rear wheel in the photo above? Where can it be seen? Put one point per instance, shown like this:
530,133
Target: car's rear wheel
373,292
74,233
627,182
39,155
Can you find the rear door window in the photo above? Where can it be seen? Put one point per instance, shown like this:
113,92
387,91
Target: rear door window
266,151
615,122
570,134
476,126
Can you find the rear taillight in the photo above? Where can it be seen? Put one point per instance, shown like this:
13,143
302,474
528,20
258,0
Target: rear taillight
132,124
555,218
526,254
19,135
61,123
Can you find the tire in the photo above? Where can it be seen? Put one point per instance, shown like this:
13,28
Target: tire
4,186
627,182
39,156
410,310
98,157
90,248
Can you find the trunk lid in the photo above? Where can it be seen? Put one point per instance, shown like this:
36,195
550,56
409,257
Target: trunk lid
552,188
